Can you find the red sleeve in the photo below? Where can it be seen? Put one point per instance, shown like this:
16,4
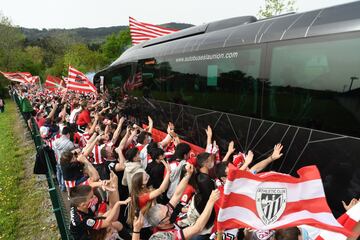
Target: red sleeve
187,195
102,208
143,199
347,221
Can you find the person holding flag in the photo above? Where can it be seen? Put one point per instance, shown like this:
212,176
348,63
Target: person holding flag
274,200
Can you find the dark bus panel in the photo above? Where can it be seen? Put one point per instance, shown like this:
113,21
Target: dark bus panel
292,79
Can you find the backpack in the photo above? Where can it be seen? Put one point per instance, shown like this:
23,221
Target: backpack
40,166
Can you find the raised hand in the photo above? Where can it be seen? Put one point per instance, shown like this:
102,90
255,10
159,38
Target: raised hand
277,151
170,128
138,223
167,166
128,130
81,158
231,148
208,131
215,195
107,186
150,120
215,148
352,203
249,157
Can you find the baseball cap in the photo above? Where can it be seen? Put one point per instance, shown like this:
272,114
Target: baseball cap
44,131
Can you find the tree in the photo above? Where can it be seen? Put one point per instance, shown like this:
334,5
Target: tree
82,58
116,44
33,60
276,7
54,46
11,40
58,68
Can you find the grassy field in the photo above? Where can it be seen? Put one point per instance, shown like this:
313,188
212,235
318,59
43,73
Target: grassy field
25,209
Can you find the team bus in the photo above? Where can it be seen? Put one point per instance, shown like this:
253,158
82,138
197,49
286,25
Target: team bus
292,79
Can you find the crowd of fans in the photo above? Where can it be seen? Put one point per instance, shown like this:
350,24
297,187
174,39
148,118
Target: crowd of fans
122,184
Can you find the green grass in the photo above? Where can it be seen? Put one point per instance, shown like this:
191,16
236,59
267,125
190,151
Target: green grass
24,209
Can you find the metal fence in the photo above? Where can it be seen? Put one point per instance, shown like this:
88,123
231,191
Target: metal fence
57,201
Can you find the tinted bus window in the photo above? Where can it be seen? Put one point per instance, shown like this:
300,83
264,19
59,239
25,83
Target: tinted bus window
316,85
223,80
115,79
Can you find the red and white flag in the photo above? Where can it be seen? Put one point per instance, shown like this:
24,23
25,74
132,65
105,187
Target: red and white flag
22,77
141,31
274,200
77,81
66,79
53,83
348,220
34,79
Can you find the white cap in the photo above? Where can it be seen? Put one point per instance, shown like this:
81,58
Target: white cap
44,131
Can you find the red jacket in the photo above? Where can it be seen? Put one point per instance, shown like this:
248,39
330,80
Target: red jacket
83,118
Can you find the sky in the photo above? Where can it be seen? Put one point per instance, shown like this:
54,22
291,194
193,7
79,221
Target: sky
94,13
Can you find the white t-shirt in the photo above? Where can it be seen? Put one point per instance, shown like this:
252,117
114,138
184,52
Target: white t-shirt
73,114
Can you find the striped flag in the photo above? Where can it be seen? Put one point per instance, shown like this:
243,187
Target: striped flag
53,83
77,81
348,220
141,31
21,77
274,200
34,79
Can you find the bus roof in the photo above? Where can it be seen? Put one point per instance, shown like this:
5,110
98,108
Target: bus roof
247,31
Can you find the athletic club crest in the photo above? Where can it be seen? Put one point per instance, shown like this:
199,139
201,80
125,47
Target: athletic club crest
270,204
79,79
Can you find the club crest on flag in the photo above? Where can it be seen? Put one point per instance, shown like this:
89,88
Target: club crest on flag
270,203
79,79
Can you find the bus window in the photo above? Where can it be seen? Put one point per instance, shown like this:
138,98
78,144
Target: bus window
314,85
117,78
224,80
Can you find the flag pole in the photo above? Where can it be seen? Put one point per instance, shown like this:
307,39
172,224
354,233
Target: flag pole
40,84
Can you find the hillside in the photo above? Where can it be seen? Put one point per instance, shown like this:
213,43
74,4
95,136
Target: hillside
87,35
